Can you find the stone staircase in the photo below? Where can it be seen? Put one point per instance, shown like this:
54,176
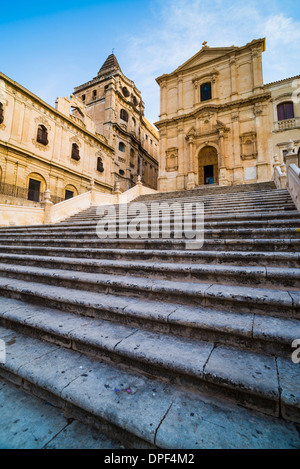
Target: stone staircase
157,345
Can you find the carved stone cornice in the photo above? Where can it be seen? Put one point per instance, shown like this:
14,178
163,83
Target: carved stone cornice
216,108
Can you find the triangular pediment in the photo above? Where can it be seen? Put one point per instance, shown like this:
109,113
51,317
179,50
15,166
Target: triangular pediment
206,54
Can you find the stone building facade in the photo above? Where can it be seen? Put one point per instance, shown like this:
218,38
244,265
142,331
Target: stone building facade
45,148
218,121
115,105
284,109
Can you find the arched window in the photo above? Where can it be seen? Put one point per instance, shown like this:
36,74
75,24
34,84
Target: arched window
125,92
75,152
285,111
1,113
205,91
122,147
124,115
42,135
100,166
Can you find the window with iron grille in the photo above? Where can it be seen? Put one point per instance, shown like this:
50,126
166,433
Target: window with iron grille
42,135
1,113
75,152
285,111
205,91
124,115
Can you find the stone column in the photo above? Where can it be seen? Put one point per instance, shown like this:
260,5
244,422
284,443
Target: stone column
47,205
191,174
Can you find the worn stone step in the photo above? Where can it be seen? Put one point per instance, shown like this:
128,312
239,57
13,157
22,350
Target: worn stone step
185,272
28,422
148,412
240,258
159,232
200,364
278,302
208,212
267,245
249,331
155,223
267,218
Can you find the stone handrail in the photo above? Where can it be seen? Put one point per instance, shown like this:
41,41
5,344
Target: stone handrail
280,177
293,183
67,208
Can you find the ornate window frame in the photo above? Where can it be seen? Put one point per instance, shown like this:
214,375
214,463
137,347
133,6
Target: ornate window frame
212,78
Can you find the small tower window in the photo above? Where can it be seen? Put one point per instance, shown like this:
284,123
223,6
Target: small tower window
100,166
124,115
205,91
125,92
42,135
75,152
122,147
94,94
83,98
1,113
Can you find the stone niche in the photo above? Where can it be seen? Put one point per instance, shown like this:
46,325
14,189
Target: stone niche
248,146
172,159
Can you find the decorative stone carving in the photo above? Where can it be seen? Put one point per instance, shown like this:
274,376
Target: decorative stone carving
248,146
172,159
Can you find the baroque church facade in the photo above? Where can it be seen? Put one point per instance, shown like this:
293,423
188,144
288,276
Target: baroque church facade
219,124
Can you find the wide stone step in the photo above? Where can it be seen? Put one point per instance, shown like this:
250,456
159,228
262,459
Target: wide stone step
145,411
29,423
159,232
271,277
276,302
268,245
265,219
240,258
270,335
155,222
201,364
208,211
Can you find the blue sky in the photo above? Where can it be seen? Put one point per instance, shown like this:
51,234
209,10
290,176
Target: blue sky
51,47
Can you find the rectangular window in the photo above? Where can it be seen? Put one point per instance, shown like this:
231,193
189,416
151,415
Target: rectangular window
285,111
205,91
69,194
34,190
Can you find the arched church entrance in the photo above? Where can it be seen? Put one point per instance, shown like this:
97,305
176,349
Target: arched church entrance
208,169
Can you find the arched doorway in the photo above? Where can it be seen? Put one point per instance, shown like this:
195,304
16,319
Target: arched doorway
208,169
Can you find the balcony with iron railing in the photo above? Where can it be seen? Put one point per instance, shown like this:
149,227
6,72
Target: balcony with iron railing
287,124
